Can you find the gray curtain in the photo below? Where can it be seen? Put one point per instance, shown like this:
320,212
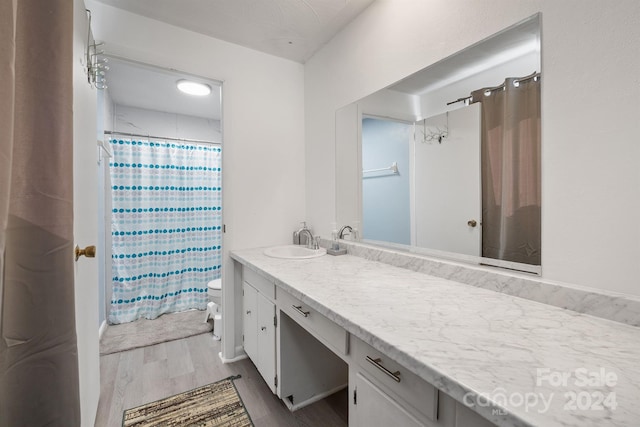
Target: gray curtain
510,152
38,349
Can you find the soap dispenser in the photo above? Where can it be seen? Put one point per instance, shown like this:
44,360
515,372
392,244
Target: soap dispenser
334,237
335,246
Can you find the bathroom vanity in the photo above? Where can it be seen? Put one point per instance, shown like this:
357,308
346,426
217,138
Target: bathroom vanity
295,366
417,350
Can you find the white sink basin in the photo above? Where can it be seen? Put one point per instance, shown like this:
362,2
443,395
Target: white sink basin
294,252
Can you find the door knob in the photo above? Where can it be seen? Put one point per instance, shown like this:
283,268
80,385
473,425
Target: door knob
472,223
89,252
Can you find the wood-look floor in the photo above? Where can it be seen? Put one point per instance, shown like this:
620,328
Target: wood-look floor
142,375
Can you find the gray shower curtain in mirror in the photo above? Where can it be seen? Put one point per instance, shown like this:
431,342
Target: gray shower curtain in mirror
510,152
38,349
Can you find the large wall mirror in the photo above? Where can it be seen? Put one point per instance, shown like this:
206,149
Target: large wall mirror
446,161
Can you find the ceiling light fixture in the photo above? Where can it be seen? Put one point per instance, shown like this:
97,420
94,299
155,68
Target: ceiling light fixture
193,88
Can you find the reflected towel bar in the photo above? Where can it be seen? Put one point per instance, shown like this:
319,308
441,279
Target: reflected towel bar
393,168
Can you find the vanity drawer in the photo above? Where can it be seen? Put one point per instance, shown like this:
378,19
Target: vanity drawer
401,384
317,324
264,286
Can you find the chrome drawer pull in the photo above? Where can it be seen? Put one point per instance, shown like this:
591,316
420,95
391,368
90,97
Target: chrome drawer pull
299,310
378,364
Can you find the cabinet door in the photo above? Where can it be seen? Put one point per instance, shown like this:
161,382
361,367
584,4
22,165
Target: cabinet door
266,361
375,408
465,417
250,321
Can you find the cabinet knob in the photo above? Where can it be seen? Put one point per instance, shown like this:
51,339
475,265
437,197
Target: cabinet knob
264,328
248,311
472,223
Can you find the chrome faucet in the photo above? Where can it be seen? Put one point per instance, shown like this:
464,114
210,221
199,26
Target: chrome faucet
309,236
297,236
341,232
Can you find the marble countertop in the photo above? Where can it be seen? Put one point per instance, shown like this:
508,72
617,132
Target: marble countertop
519,362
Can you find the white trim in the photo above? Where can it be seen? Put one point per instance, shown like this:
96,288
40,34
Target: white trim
452,256
239,350
294,407
412,188
102,329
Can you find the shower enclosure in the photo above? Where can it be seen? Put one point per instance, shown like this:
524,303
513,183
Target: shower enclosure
166,227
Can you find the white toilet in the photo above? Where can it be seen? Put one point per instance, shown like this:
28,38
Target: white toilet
214,307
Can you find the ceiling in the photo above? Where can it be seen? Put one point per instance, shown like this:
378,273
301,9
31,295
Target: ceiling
136,85
292,29
263,25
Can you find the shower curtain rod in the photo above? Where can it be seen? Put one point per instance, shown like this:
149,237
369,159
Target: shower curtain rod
201,141
534,75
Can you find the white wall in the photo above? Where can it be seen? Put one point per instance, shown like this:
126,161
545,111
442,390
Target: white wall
263,128
170,125
590,126
386,195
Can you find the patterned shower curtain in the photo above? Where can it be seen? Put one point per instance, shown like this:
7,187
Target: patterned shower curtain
166,227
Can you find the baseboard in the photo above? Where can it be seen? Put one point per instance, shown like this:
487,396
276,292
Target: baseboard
311,400
103,327
239,350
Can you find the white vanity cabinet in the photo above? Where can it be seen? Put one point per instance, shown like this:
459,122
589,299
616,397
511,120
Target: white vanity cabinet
375,407
327,332
383,392
283,343
310,353
258,326
250,320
